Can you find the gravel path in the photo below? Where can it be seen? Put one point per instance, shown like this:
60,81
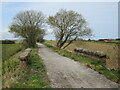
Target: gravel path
67,73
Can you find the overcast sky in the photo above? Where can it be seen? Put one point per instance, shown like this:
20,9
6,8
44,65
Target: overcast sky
101,16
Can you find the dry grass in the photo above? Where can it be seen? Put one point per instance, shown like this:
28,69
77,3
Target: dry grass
111,50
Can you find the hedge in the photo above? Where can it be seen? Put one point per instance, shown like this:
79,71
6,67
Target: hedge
7,42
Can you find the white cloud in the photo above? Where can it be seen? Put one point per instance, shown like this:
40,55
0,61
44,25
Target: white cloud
49,31
5,30
49,34
5,34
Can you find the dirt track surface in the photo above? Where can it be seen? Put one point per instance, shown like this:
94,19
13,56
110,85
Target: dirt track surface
67,73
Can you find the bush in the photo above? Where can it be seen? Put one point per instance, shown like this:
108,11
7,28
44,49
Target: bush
89,39
7,42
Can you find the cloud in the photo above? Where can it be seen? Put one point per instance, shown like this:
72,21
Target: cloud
49,34
5,34
49,31
5,30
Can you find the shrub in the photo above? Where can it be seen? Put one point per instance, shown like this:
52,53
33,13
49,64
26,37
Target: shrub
89,39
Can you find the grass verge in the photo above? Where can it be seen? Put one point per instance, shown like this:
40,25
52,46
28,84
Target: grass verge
31,76
34,75
10,49
10,67
94,64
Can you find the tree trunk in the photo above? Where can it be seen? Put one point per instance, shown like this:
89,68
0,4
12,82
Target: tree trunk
68,44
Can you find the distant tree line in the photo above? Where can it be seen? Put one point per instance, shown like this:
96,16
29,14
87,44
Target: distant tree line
7,42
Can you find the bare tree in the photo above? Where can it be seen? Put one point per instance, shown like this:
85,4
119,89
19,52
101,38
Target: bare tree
68,26
28,25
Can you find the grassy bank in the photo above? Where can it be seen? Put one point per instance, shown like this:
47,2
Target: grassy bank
31,76
10,49
96,65
10,67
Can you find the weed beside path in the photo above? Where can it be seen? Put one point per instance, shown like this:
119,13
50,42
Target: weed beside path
31,76
34,75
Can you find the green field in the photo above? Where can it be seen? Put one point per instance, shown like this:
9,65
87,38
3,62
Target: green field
10,49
